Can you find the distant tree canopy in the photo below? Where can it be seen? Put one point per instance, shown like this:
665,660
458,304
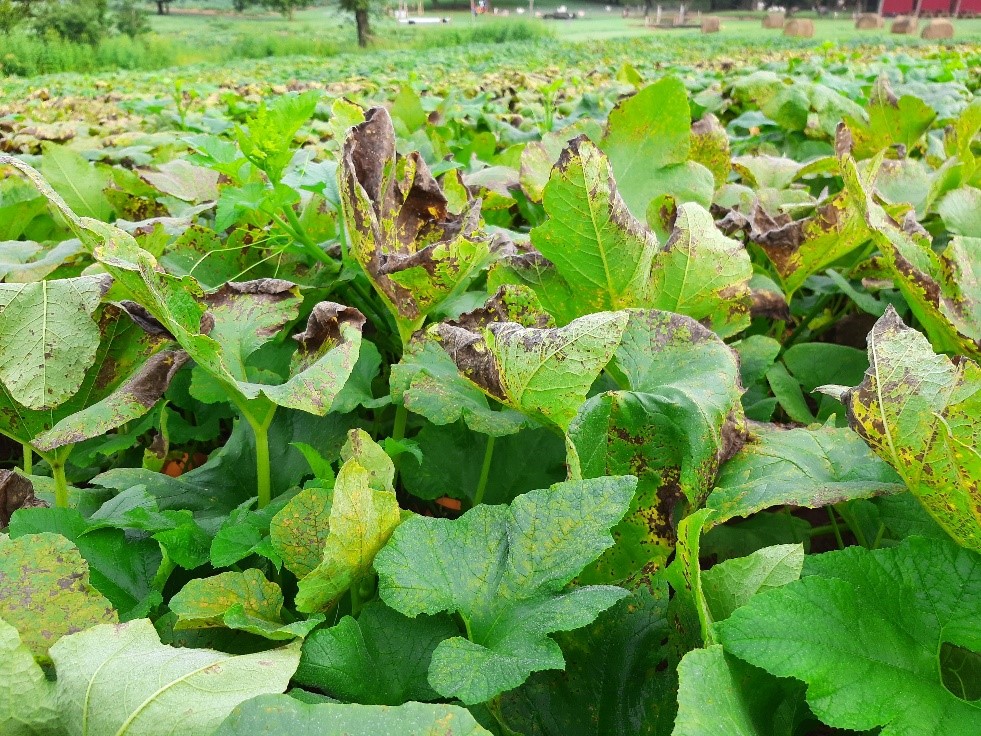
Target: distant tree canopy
82,21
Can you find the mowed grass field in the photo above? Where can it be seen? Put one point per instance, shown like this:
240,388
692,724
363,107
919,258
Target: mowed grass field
597,24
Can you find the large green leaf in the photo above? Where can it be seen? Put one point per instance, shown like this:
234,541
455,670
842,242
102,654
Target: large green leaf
919,412
891,120
867,636
26,698
799,467
703,274
286,716
603,252
382,658
186,691
503,570
545,373
78,181
677,420
731,583
609,259
236,600
50,338
414,251
645,133
300,529
614,682
719,694
45,591
268,140
362,518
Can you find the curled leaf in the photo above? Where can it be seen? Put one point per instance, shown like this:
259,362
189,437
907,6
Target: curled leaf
413,249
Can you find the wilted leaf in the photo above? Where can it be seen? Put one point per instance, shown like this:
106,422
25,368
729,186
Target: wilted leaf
415,252
504,570
183,180
919,412
45,591
186,691
543,373
285,715
16,492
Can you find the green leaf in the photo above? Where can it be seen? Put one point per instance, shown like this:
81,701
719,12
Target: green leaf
719,694
919,412
503,569
236,600
960,212
428,382
78,181
677,422
268,142
183,180
26,699
703,274
45,591
891,120
416,254
382,658
299,531
120,568
601,250
788,393
545,373
730,584
799,467
51,339
361,520
649,131
283,715
614,682
450,463
189,691
886,627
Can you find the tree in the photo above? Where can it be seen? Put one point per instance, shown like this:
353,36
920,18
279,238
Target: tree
360,8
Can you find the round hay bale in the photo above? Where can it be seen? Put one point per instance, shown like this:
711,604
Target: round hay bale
869,22
938,28
774,20
903,25
799,28
711,24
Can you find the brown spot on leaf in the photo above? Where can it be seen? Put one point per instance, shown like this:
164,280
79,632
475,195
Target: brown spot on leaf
16,492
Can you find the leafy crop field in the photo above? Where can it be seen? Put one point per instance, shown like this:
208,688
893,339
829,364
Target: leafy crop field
616,388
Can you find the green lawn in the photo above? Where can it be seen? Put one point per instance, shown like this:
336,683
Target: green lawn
598,24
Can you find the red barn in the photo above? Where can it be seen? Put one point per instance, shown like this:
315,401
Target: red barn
932,7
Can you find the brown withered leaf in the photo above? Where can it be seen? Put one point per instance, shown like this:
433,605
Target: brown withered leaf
414,250
16,492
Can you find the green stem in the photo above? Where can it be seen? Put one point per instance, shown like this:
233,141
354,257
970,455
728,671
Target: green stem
262,471
478,497
398,433
61,483
878,536
28,459
834,527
